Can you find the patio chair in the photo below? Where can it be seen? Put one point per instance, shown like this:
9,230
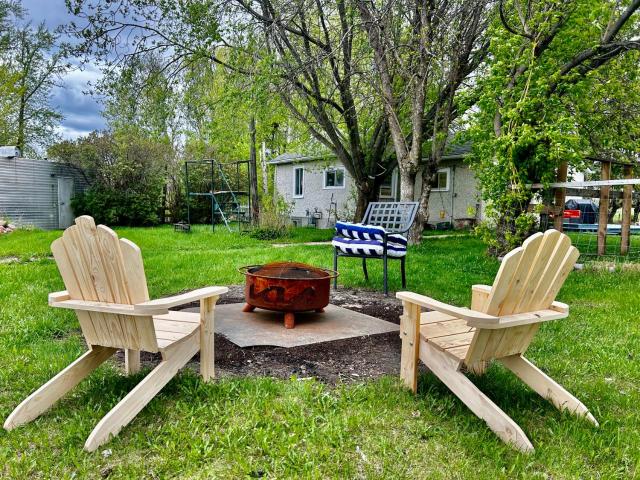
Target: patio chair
107,288
500,325
378,236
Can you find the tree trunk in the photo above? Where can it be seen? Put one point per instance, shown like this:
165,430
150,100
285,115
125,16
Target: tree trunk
507,233
21,124
265,172
366,193
253,173
613,209
422,217
407,194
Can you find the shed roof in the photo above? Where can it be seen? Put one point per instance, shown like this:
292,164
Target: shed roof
285,158
457,150
453,152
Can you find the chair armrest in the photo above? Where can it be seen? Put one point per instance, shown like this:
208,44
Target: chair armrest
153,307
181,299
63,300
458,312
477,319
555,312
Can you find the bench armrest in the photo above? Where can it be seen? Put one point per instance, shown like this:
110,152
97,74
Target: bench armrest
181,299
458,312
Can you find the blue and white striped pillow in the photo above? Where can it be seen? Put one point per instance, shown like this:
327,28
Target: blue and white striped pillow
355,246
360,231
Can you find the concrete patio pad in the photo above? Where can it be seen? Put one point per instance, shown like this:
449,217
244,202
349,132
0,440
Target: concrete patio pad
262,327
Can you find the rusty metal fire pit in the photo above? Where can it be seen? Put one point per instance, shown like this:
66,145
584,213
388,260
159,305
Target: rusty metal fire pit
287,287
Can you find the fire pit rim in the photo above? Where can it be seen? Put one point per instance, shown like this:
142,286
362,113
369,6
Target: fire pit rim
245,270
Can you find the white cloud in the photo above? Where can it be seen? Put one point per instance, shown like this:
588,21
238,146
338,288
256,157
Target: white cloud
82,111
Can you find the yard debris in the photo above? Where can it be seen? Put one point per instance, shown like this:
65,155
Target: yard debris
9,259
106,453
362,454
6,227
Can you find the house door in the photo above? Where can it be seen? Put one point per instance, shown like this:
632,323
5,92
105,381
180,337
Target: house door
65,190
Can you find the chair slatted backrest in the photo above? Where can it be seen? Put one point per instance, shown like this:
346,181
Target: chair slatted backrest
392,216
96,266
529,279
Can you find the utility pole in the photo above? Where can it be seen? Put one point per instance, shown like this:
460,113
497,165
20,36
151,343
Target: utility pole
253,173
265,178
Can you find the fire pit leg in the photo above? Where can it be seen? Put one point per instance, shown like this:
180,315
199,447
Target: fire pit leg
289,320
248,308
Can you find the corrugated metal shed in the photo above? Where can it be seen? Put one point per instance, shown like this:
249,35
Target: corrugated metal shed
29,191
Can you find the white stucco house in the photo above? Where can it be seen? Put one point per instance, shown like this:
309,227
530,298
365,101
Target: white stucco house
319,187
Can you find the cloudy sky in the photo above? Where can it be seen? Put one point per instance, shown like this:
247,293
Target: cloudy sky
81,111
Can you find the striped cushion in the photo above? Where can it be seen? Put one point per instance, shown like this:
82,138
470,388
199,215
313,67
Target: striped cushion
354,246
358,231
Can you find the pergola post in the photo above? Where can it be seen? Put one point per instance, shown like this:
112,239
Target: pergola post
605,174
559,197
627,193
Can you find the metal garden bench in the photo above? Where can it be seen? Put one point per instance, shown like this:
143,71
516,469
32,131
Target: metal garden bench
386,242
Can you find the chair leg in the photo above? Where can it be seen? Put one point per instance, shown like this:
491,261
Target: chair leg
131,361
335,268
364,269
385,279
174,358
446,368
402,273
546,387
410,336
207,344
52,391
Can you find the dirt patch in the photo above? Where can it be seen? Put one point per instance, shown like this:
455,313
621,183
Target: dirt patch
349,360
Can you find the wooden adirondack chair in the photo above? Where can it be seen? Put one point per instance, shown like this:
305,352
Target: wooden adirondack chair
500,325
106,286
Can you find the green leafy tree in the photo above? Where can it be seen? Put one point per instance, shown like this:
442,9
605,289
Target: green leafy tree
554,64
310,53
33,61
423,52
126,172
8,78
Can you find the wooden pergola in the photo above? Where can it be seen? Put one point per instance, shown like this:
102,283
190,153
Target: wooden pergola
597,188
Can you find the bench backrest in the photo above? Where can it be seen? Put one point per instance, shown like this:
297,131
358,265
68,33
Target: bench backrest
529,279
96,266
394,217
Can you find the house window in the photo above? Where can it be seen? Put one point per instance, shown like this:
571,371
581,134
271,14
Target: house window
388,187
334,178
440,182
298,182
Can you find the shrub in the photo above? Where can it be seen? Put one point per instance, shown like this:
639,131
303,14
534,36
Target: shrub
275,220
266,233
120,208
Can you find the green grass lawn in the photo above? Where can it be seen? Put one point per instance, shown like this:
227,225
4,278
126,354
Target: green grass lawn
263,427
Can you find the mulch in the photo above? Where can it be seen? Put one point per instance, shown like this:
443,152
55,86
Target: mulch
349,360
